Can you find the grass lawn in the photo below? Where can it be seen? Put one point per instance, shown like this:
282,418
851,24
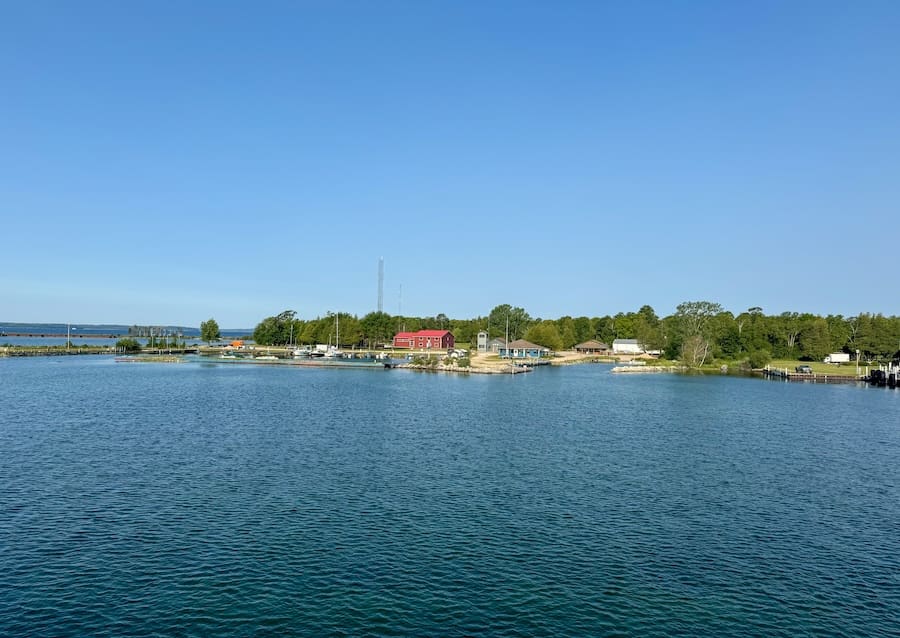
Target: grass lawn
845,369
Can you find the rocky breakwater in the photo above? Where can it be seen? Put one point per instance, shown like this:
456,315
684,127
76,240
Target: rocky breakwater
476,364
643,369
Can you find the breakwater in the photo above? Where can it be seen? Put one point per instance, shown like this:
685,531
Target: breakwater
62,351
52,351
644,369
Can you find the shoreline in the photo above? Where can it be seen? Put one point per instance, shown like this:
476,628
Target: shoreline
54,335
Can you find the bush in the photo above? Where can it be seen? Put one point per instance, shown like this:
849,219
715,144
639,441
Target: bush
128,345
759,359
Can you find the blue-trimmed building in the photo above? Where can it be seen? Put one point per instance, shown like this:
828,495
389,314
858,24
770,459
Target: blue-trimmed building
521,349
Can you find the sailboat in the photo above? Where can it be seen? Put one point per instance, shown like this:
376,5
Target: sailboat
334,352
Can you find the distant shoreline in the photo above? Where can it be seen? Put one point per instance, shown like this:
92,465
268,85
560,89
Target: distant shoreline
53,335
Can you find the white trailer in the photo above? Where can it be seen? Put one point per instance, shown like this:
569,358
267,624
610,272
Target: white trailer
838,357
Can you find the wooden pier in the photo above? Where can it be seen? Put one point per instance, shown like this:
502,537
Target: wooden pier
810,377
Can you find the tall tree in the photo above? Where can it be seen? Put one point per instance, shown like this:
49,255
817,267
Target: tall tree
815,340
584,329
505,315
566,327
624,325
545,333
377,328
693,318
275,330
605,329
694,315
209,331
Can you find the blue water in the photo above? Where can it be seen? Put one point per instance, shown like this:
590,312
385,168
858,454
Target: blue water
86,334
202,499
77,340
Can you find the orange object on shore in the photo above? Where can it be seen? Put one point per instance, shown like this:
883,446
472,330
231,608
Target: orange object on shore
237,344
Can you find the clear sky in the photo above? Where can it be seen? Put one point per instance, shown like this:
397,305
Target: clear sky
166,162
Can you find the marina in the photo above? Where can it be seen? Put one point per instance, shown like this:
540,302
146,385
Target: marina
319,362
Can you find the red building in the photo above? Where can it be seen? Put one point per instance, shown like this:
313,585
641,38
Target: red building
423,339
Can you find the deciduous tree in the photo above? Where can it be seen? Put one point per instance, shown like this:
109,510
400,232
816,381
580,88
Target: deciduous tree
545,333
209,331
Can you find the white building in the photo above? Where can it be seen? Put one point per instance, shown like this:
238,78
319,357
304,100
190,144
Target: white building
627,346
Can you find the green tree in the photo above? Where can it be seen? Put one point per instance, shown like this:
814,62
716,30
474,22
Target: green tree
545,333
695,351
377,328
516,318
751,329
584,329
649,315
815,341
693,319
624,326
605,329
348,329
209,331
128,345
759,359
839,333
648,329
276,330
566,327
695,315
877,336
466,330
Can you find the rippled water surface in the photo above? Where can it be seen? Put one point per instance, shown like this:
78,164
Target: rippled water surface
199,499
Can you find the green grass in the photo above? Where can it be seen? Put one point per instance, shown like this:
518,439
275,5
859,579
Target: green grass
845,369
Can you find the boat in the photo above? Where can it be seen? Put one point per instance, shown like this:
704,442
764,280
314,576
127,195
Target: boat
351,359
334,352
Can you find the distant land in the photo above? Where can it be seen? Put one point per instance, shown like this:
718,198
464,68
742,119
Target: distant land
105,329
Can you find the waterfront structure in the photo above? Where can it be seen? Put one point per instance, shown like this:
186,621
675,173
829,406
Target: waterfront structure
521,349
627,346
496,343
592,346
486,345
425,340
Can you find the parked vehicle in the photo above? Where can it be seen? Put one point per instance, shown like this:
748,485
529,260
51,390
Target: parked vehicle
838,357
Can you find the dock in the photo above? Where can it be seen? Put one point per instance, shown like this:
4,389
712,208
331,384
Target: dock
810,377
886,376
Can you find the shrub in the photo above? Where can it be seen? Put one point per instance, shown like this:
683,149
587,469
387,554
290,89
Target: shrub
128,345
759,359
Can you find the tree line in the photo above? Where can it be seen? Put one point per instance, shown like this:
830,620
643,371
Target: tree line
697,332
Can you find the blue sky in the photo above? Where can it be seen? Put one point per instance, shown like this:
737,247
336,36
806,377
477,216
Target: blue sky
167,162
